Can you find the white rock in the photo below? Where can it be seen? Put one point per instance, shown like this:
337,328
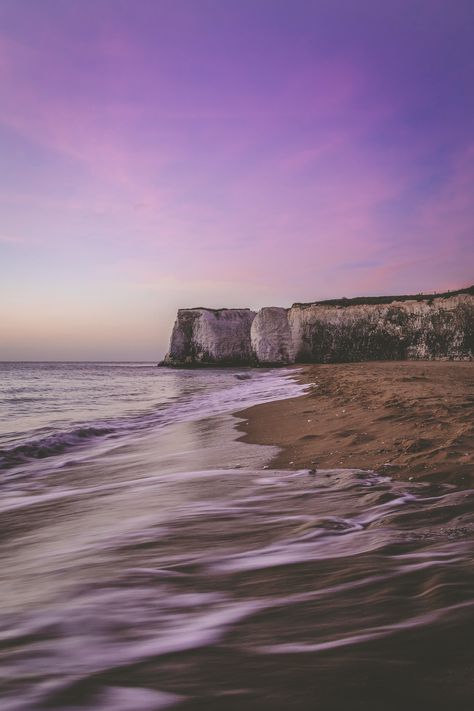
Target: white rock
211,336
271,338
430,328
437,328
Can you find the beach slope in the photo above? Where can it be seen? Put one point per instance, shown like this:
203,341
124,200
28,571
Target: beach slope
405,418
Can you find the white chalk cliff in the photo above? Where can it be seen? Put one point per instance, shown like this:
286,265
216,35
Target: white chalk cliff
382,328
271,337
211,336
408,329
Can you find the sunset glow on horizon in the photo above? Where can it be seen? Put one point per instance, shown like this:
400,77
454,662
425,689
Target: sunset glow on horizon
160,155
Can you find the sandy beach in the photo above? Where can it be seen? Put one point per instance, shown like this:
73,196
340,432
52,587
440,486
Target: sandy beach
409,419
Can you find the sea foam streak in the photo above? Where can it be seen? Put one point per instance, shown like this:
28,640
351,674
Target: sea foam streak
191,581
182,398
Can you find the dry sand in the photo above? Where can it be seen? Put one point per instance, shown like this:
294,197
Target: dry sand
407,419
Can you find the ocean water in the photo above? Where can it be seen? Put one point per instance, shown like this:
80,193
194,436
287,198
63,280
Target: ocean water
150,560
52,409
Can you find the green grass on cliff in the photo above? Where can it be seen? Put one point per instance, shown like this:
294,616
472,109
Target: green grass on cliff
367,300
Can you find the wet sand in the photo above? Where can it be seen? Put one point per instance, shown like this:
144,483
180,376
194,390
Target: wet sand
408,419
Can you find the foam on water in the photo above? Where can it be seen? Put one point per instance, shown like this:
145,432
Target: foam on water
184,396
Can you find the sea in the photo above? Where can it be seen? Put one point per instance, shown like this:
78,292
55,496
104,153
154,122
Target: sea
149,559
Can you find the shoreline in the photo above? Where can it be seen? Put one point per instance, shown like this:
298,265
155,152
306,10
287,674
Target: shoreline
407,419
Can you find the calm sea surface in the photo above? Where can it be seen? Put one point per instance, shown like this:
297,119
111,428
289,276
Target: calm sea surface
148,560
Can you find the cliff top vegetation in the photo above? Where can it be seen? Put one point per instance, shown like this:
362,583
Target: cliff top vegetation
372,300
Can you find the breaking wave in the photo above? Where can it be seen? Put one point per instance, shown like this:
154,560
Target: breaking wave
200,398
50,445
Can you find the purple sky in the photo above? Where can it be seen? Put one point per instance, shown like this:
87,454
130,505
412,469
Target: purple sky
158,154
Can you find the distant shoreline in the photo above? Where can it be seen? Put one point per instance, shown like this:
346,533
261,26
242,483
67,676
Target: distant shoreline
407,419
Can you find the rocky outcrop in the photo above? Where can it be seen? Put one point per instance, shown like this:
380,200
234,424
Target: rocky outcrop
211,337
271,337
414,329
374,328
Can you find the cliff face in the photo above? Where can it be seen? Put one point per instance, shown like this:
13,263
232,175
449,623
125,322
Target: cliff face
435,328
211,337
382,328
271,338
